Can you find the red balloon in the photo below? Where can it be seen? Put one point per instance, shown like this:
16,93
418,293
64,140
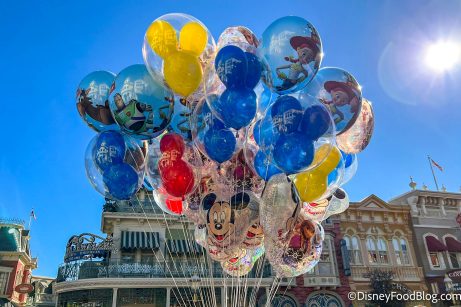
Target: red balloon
178,178
172,141
174,204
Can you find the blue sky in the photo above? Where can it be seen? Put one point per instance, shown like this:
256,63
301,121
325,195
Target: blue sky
49,46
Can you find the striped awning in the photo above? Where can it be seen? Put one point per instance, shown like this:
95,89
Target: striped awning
183,247
140,240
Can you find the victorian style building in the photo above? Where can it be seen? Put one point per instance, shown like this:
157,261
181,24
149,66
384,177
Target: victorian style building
149,258
142,260
435,218
379,238
16,263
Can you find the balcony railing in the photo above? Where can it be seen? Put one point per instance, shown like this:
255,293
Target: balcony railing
166,269
400,273
132,206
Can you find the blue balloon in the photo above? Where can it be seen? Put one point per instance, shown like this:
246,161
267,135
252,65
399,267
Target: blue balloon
348,159
264,166
231,66
264,134
286,114
254,70
121,181
219,144
237,107
109,149
291,154
315,122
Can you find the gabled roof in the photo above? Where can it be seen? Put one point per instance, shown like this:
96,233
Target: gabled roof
375,203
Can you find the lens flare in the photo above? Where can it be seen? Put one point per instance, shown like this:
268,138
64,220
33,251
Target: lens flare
443,56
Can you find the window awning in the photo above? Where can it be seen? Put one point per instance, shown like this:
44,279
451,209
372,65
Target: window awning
434,245
183,247
453,245
140,240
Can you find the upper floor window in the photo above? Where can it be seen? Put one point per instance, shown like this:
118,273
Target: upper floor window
326,262
454,251
377,251
401,251
4,276
435,248
353,246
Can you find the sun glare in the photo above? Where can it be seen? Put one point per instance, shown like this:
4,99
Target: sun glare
443,56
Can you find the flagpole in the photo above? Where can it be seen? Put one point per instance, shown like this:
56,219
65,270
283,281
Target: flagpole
433,174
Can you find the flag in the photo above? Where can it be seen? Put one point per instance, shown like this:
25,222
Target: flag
437,165
32,214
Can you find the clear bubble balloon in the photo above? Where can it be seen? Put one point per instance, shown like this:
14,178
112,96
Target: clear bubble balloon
92,100
279,206
228,219
292,50
289,135
140,105
299,251
238,36
358,136
158,165
236,73
114,165
178,50
211,136
340,93
318,183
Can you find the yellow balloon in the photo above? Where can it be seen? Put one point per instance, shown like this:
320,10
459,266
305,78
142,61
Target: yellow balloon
182,72
193,38
161,37
311,185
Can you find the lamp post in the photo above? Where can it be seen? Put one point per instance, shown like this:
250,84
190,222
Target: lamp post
449,287
195,285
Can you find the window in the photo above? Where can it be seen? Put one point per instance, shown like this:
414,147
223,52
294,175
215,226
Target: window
128,257
4,276
326,265
401,251
454,260
382,251
371,247
353,247
147,258
434,257
377,251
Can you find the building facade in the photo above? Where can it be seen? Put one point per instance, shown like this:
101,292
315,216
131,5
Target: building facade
379,238
42,295
16,263
436,236
146,258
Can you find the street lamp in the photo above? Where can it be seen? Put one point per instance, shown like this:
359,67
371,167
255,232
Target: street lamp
195,285
449,287
448,283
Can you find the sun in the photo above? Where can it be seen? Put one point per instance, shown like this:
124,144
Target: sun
443,56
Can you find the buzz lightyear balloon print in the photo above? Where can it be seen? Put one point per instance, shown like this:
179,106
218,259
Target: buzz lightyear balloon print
140,105
292,50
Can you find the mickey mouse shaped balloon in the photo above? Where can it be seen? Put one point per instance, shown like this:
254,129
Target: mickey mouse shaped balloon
177,175
227,221
177,49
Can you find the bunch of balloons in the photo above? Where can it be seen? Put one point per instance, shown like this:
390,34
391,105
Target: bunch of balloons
250,139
